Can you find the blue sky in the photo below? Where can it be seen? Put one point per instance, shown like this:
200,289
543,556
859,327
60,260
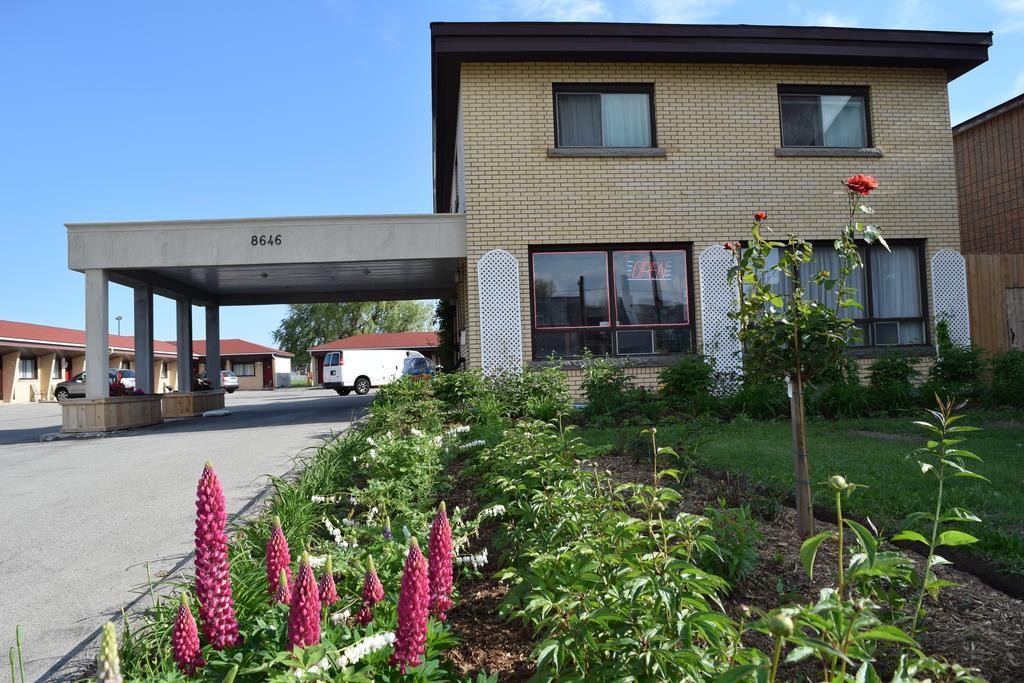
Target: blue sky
195,109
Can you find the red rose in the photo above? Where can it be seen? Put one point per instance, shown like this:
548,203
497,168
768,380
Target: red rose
861,184
760,216
730,246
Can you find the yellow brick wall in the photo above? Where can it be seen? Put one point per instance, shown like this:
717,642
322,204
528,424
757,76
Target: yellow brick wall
719,125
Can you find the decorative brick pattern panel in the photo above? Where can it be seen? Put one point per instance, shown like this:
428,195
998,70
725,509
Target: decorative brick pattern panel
719,126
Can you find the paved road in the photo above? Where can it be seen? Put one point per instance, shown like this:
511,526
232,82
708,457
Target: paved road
79,519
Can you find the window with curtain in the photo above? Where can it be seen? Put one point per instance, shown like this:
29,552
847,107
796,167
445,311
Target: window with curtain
245,369
623,301
27,368
888,288
603,116
824,116
58,369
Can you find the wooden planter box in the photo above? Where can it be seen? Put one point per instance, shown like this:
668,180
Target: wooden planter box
109,414
192,403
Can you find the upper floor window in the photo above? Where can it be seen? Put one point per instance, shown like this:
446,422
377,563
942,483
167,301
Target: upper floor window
595,115
824,116
633,300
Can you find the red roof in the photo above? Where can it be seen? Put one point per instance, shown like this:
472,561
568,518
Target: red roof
30,334
386,340
238,347
46,335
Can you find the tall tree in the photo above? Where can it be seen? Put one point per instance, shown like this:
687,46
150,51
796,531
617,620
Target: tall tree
308,325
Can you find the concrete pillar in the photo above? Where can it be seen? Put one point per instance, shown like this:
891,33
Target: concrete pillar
97,342
213,346
44,366
184,343
144,339
9,373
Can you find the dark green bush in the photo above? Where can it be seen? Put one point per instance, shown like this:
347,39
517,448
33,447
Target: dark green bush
736,534
759,399
689,384
1008,378
606,386
891,383
838,392
957,372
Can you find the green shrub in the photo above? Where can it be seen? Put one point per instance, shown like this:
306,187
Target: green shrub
891,383
760,399
689,384
957,372
1008,378
736,534
838,392
606,386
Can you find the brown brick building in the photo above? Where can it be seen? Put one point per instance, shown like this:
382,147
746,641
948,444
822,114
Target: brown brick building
600,167
990,182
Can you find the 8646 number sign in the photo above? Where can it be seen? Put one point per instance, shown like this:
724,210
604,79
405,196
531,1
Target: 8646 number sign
266,240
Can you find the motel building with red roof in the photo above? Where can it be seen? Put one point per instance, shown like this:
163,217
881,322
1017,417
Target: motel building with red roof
35,358
427,343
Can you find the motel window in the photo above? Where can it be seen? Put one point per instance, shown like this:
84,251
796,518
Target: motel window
163,370
889,288
245,369
819,116
633,300
27,368
58,369
591,115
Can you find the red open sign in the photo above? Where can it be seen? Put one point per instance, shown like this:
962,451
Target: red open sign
648,269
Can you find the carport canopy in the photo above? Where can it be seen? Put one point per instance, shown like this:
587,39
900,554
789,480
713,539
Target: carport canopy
230,262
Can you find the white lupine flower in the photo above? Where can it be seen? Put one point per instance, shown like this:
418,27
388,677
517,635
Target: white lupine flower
476,561
472,444
341,616
317,561
406,532
493,511
355,652
415,432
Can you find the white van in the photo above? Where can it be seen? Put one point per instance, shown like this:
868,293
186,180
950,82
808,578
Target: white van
359,369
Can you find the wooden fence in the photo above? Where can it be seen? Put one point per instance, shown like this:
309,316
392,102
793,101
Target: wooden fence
995,290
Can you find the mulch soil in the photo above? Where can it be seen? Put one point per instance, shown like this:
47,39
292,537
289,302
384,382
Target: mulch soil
972,624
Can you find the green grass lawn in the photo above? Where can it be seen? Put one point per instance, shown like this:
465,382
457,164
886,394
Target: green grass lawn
878,453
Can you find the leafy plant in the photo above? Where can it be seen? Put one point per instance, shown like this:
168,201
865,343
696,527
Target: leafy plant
737,536
943,459
958,370
690,383
1007,370
891,383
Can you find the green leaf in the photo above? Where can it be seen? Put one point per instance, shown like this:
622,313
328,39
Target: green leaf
866,538
864,208
738,673
809,550
799,654
954,537
925,467
908,535
959,515
886,632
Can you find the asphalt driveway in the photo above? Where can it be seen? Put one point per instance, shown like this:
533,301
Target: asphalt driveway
80,519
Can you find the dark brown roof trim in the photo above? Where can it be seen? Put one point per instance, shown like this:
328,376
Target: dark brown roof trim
454,43
988,115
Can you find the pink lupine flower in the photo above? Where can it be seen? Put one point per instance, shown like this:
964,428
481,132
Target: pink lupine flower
413,607
328,591
304,614
283,595
213,578
373,592
185,640
278,557
439,552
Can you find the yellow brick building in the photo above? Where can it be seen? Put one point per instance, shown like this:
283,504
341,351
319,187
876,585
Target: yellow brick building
720,108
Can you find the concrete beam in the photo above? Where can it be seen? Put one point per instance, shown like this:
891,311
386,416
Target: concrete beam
144,339
252,241
213,346
97,336
183,340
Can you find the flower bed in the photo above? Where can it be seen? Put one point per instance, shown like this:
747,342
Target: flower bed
613,579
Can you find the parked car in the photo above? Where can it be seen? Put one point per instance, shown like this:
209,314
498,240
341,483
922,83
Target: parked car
418,367
228,382
360,369
75,387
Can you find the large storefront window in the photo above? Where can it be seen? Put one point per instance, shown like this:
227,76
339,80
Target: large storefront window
623,301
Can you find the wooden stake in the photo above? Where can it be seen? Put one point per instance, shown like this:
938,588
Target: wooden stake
801,468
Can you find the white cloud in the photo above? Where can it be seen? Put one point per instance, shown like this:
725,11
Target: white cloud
1012,18
680,11
830,19
563,10
911,14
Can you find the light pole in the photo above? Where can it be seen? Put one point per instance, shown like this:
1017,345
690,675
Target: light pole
118,319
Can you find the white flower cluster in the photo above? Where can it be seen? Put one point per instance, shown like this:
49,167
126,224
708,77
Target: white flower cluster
343,615
348,521
355,652
371,514
475,561
334,531
415,432
322,665
457,429
317,561
324,499
472,444
493,511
